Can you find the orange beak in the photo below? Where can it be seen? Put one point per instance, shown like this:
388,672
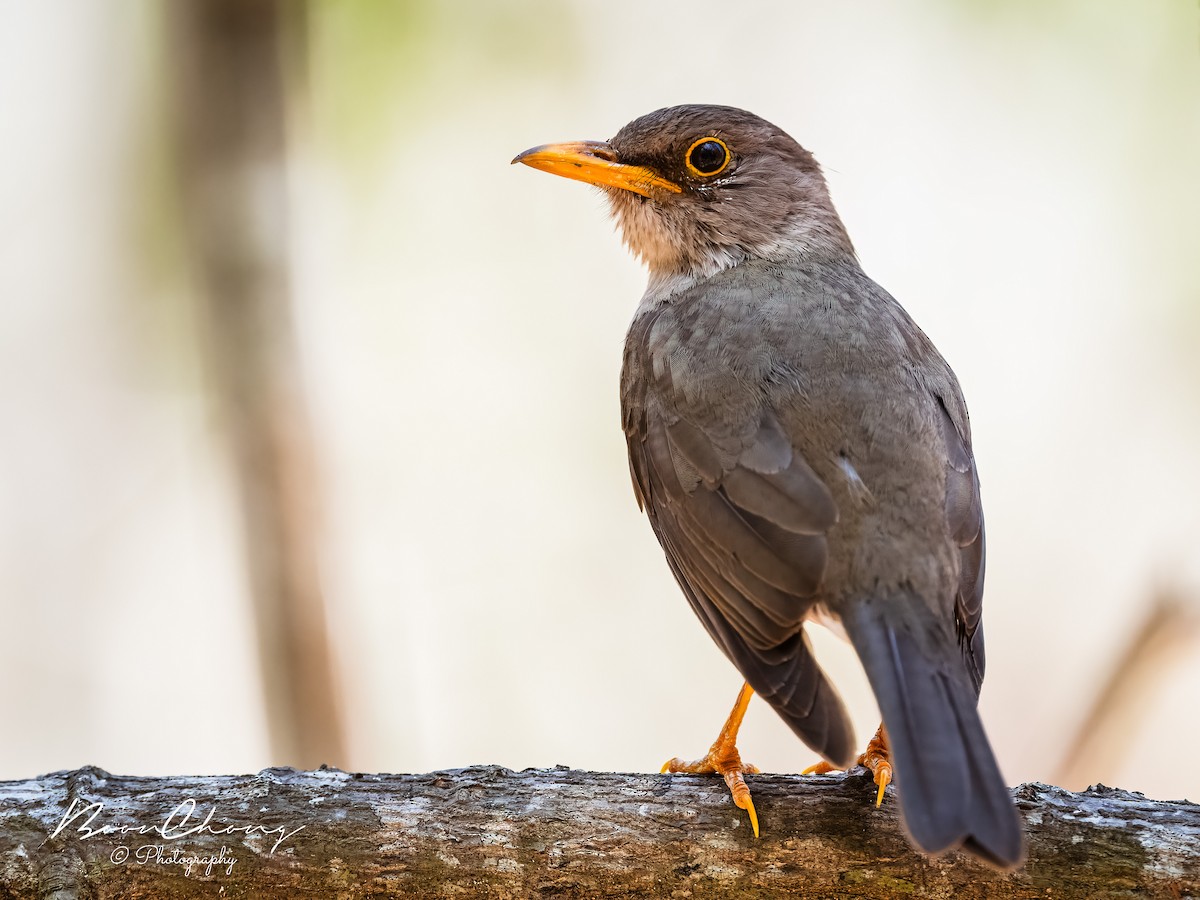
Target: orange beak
596,163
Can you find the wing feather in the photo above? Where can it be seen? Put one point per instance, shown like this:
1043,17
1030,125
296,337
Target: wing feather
964,521
743,532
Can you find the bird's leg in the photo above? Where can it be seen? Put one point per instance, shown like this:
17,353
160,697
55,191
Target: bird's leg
877,757
724,759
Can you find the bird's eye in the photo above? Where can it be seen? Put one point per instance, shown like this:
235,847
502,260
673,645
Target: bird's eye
707,156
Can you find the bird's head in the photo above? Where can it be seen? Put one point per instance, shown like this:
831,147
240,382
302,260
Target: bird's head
697,189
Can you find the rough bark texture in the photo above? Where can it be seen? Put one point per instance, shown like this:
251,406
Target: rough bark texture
490,832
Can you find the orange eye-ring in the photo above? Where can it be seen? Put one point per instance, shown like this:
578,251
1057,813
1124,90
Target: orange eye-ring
707,157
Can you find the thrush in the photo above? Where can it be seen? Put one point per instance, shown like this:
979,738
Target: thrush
803,453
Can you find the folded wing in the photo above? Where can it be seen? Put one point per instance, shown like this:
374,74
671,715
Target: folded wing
742,518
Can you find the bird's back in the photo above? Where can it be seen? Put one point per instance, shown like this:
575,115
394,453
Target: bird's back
857,388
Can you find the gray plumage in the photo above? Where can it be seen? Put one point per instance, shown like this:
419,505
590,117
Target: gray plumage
803,452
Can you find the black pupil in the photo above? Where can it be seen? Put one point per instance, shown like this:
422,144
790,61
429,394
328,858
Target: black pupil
707,157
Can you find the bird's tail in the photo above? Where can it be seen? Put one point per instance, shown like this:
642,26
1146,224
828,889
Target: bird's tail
951,790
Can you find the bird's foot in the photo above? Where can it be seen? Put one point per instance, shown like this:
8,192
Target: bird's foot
723,759
877,757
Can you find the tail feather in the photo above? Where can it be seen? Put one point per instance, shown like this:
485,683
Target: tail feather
951,791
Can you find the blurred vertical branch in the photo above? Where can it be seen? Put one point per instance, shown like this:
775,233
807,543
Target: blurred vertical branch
1170,628
230,63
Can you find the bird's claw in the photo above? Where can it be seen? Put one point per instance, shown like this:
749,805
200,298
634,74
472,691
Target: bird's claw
726,762
876,758
741,793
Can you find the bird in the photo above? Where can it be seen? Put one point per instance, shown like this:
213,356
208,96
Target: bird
803,453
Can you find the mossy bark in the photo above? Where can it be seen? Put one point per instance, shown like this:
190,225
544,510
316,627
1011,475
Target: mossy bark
489,832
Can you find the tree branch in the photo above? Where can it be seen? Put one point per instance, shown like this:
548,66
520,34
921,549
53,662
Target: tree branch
228,62
489,832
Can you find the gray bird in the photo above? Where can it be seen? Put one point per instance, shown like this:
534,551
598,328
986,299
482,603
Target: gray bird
803,454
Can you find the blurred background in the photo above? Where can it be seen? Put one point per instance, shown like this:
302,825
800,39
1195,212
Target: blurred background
310,447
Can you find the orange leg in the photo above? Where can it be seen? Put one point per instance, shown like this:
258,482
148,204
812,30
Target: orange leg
876,757
723,758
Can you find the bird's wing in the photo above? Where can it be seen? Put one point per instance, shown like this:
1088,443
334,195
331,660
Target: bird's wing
742,518
964,518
